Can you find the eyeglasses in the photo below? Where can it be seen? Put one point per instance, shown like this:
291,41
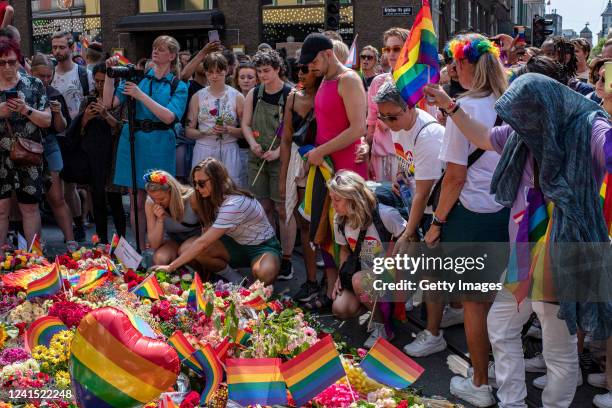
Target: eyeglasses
395,48
390,118
303,69
366,57
10,63
200,183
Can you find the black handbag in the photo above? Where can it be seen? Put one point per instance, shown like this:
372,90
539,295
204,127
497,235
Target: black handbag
352,265
305,134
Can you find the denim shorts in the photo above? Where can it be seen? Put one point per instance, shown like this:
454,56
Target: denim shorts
53,155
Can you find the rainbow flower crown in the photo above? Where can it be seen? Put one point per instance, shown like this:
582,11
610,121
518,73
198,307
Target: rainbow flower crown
155,176
470,47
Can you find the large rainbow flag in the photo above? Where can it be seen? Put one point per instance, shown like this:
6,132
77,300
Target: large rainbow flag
48,285
252,381
149,288
417,64
388,365
42,330
311,372
185,351
213,371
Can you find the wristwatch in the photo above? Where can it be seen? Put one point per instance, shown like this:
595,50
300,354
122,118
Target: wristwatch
437,222
29,112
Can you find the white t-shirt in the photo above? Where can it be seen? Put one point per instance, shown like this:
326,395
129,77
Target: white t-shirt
372,247
69,85
456,149
213,109
245,219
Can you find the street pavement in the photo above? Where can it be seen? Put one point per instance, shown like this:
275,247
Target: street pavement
435,379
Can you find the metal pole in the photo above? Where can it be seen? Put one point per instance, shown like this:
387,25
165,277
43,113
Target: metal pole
131,125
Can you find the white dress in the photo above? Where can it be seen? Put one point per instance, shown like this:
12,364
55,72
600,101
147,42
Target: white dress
225,147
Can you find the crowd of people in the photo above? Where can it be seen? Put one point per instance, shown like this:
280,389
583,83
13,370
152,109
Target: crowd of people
235,153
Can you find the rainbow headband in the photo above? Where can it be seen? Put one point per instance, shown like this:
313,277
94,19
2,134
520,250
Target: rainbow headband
155,176
471,47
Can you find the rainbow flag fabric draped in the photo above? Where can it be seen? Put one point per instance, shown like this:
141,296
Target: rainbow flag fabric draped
417,64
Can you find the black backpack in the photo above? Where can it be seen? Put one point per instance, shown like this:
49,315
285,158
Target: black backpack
383,233
83,79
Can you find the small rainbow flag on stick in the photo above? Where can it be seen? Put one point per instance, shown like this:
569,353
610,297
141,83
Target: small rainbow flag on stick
257,303
222,349
113,244
122,59
417,64
388,365
213,371
311,372
252,381
195,298
242,337
48,285
185,351
35,246
42,330
149,288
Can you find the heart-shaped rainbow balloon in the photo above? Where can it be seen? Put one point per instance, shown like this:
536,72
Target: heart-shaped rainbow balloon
113,365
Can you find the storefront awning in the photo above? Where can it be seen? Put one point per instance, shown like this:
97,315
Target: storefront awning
189,20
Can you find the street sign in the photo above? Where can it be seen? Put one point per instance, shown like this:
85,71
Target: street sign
396,11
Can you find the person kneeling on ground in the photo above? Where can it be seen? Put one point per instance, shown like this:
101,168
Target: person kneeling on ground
172,224
236,230
361,227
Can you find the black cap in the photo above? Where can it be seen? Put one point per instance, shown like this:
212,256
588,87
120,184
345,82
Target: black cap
313,44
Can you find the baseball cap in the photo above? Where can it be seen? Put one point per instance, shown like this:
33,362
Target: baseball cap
313,44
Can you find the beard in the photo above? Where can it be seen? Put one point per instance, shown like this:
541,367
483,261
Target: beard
61,58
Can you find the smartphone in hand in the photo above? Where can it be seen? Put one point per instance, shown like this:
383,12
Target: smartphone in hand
11,95
213,36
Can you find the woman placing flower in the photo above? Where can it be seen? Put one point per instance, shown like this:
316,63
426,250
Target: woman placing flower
172,225
237,231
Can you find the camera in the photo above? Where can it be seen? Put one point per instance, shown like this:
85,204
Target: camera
128,72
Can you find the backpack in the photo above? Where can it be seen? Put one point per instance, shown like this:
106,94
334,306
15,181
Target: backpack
383,233
83,79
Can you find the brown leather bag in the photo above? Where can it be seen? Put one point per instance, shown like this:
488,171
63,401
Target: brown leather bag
25,152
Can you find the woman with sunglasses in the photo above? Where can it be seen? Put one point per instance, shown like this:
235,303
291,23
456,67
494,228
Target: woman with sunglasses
379,135
368,60
172,224
597,77
237,232
294,171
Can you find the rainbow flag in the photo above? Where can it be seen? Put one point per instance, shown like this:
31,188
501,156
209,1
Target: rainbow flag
122,59
213,371
195,299
113,244
312,371
167,402
35,246
417,64
388,365
110,265
48,285
252,381
109,369
257,303
242,337
222,349
352,60
185,351
605,194
149,288
90,279
42,330
140,324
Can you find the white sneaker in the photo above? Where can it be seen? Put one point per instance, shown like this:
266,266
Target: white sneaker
597,380
534,332
425,344
451,317
603,400
377,331
490,374
540,382
535,364
465,389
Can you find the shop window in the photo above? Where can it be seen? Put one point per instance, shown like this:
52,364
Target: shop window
160,6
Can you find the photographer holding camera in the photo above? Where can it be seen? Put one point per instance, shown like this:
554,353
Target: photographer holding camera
161,99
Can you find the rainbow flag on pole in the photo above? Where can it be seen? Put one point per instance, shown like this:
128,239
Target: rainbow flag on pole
48,285
149,288
195,299
35,246
311,372
42,330
242,337
222,349
185,351
388,365
122,59
252,381
417,64
113,244
213,371
352,60
257,303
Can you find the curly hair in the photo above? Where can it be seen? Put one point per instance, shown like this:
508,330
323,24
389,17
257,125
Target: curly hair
271,58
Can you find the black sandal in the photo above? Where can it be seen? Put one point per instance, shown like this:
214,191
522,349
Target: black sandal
320,302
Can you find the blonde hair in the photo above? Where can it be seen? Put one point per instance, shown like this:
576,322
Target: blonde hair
489,77
178,192
361,201
341,50
399,32
174,48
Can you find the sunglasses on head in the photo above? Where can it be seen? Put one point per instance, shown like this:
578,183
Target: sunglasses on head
366,57
303,69
395,48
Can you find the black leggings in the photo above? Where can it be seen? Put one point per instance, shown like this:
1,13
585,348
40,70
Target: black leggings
100,197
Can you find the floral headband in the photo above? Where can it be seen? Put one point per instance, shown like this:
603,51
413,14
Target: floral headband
155,176
471,47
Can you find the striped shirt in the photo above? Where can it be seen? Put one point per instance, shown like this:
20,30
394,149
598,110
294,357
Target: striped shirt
244,219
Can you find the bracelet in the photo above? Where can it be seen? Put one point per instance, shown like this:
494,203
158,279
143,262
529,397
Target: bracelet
451,107
455,109
437,222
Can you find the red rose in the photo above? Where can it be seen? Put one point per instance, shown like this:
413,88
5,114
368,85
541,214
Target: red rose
403,404
191,400
213,112
21,326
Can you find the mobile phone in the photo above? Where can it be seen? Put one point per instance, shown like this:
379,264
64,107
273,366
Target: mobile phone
608,74
213,35
11,95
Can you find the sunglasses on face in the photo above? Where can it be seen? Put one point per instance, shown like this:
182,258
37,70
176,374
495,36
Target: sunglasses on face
390,118
200,183
10,63
395,48
366,57
303,69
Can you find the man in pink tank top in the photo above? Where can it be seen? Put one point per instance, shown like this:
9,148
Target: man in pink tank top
340,106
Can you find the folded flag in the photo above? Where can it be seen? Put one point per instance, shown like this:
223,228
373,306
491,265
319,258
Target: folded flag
213,371
42,330
252,381
36,246
242,337
388,365
311,372
48,285
149,288
185,351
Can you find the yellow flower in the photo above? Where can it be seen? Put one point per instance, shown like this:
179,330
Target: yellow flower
62,379
3,335
39,353
45,366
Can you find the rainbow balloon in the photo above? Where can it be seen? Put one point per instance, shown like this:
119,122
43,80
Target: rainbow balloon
42,330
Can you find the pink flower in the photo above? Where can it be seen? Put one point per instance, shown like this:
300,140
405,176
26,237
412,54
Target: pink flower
213,112
362,352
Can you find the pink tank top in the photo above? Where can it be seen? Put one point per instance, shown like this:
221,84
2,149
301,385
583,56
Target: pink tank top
331,121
